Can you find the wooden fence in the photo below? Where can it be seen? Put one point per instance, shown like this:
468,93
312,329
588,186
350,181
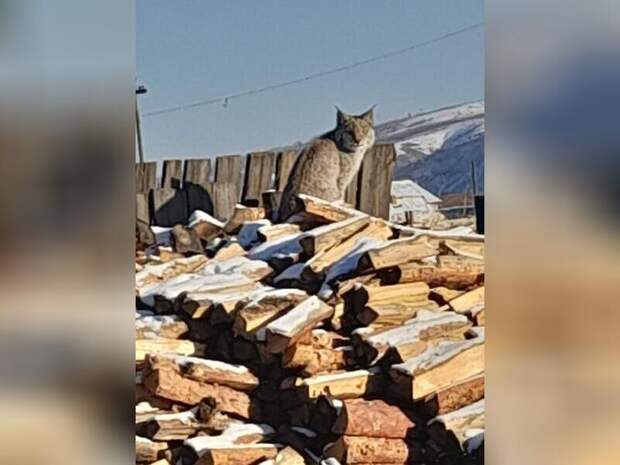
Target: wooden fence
188,185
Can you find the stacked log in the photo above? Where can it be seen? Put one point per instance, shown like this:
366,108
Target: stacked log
335,338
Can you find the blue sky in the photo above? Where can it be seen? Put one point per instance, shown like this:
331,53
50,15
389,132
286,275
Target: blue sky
191,50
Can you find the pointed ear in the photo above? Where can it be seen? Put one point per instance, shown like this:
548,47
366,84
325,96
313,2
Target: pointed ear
369,115
341,116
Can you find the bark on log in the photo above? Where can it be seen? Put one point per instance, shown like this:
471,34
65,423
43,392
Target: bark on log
163,380
453,397
451,272
360,449
372,418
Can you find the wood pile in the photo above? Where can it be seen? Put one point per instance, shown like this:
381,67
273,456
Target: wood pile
336,338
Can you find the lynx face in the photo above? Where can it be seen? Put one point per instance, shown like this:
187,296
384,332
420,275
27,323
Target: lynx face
355,132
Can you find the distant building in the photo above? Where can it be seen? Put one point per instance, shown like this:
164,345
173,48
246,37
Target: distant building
457,205
412,204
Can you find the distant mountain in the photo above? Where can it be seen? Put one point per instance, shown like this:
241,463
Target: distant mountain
436,149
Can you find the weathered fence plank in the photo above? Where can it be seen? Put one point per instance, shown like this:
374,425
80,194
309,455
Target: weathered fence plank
172,174
224,198
197,171
169,206
258,175
376,179
146,176
196,185
228,169
284,165
142,207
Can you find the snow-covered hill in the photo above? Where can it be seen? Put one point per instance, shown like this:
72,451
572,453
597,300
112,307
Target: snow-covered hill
436,149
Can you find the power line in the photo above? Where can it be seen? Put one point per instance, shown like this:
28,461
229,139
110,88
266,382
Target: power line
226,99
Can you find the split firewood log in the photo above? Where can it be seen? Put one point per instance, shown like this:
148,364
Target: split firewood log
360,449
466,302
411,339
286,330
371,418
230,249
156,326
442,295
235,434
167,254
375,229
265,308
170,426
477,314
450,430
394,304
342,385
450,271
164,377
148,451
205,226
166,346
453,397
144,235
163,272
323,209
397,252
276,231
185,240
438,367
203,305
309,360
239,454
289,456
330,235
240,215
466,247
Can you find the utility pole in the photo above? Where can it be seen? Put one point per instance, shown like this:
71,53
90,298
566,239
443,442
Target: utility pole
139,91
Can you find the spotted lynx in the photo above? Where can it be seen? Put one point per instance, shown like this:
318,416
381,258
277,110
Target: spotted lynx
327,165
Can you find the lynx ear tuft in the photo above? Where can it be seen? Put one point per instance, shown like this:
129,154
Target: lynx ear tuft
369,115
341,116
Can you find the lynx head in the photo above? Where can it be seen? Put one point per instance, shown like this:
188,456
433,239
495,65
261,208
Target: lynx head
354,133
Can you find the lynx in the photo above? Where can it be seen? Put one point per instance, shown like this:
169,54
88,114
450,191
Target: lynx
326,166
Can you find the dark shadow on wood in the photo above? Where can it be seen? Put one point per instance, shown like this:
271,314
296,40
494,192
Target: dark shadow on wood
168,206
198,198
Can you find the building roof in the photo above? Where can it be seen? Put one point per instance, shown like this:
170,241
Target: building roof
408,188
